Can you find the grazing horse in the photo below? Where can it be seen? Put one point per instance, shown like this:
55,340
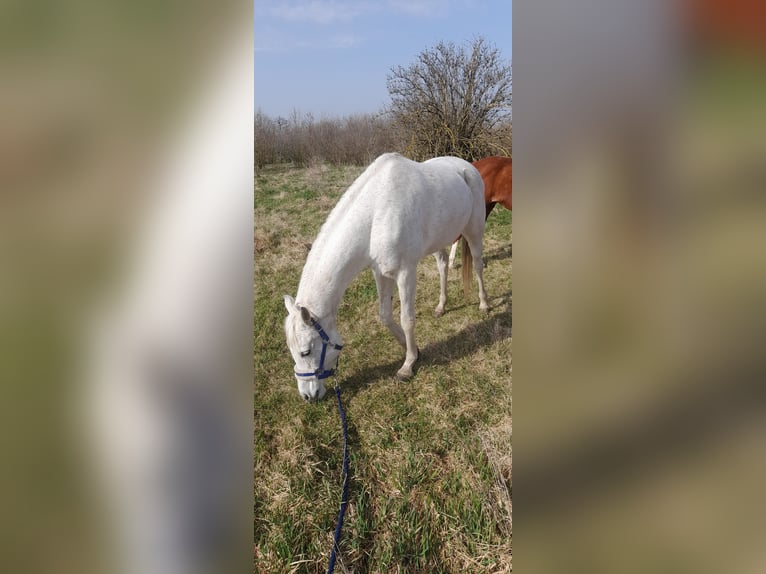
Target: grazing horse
497,173
394,214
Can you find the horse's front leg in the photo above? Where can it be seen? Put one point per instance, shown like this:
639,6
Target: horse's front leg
406,284
441,264
386,306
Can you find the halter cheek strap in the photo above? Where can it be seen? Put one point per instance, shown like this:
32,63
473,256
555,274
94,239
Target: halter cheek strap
320,372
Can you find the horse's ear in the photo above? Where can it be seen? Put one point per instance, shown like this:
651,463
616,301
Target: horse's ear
290,304
293,308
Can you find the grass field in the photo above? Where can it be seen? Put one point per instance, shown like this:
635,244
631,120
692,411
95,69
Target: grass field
430,459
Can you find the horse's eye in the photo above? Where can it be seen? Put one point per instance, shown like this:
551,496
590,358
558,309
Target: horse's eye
305,353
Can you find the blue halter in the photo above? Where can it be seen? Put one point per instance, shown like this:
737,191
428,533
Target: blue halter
320,372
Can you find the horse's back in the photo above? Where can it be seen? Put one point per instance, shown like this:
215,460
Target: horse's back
497,173
418,208
442,182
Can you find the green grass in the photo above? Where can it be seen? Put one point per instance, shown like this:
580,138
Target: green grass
430,472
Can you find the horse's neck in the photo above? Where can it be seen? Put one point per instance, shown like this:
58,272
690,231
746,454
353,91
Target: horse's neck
332,264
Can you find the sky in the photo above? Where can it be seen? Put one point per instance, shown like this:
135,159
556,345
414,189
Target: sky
330,58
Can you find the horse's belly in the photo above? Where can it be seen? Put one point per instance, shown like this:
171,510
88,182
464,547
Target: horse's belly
408,239
443,232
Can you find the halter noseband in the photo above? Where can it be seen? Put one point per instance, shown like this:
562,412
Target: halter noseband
320,372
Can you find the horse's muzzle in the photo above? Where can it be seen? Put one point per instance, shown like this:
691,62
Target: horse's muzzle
311,390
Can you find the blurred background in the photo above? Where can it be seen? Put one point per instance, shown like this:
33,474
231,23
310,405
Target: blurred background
640,285
102,106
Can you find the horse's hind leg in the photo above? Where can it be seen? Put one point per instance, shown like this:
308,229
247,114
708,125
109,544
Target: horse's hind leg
386,306
475,241
441,264
406,283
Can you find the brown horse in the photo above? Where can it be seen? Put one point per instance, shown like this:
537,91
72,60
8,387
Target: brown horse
497,173
718,23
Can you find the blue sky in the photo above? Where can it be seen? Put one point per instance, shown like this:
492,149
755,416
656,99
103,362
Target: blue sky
331,57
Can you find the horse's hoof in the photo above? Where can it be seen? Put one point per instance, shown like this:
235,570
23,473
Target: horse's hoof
438,312
406,374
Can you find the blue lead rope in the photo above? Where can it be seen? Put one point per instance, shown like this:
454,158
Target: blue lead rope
344,497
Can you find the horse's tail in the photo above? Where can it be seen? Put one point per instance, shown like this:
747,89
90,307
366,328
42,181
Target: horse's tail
467,264
474,181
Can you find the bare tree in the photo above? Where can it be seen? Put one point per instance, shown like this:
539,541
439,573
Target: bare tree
454,100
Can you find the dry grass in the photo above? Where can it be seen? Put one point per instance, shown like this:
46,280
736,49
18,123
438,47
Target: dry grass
430,487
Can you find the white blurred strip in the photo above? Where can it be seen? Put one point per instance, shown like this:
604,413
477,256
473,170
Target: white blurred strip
171,386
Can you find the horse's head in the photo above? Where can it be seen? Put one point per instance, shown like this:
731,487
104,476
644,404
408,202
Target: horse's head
315,350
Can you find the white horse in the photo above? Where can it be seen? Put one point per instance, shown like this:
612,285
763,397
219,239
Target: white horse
394,214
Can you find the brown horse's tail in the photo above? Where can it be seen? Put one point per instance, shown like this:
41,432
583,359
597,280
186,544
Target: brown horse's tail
467,264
